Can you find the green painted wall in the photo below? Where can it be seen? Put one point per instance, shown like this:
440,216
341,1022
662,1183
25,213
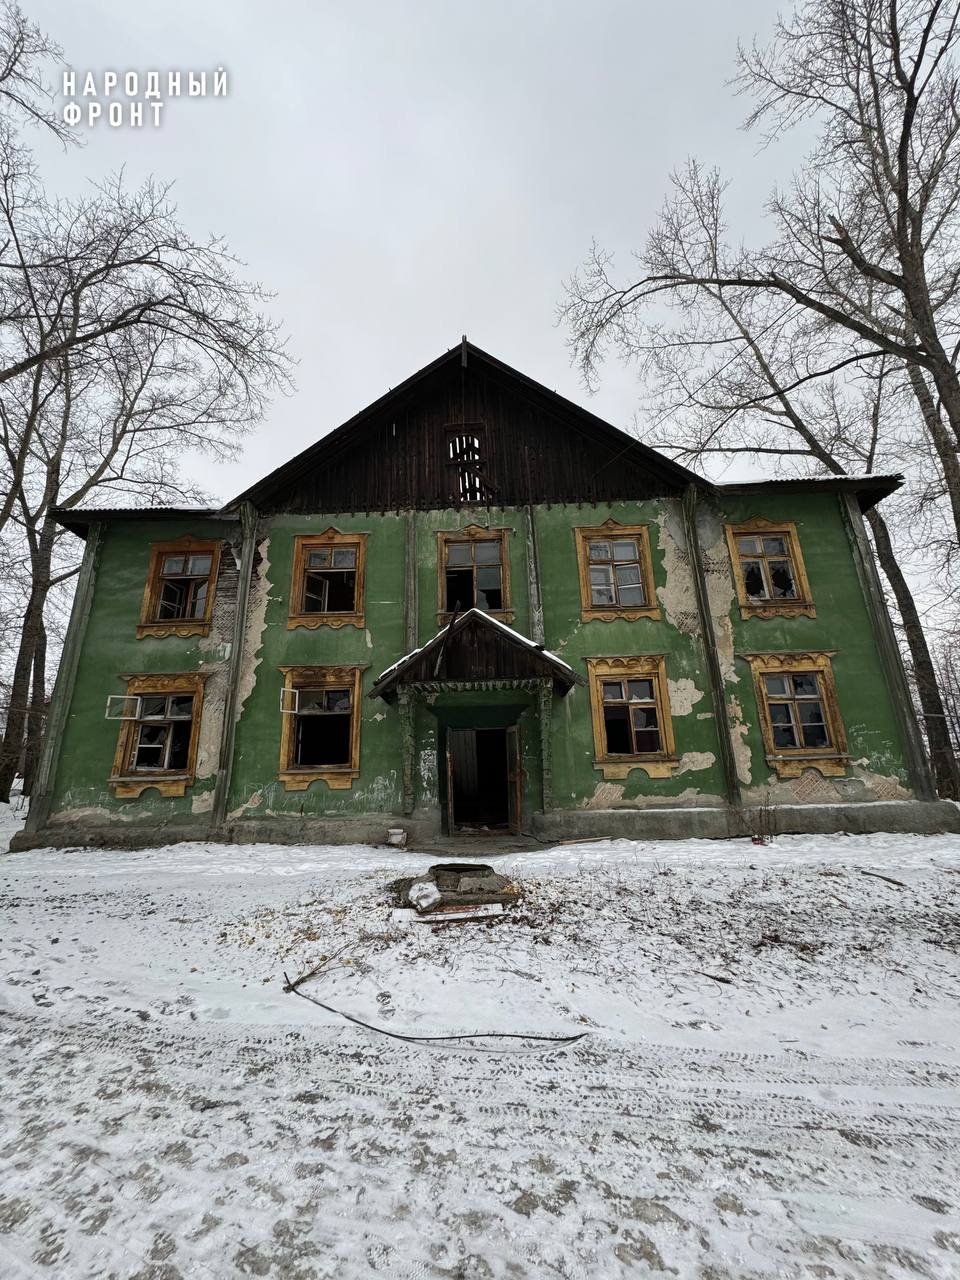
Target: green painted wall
111,648
842,623
255,790
575,780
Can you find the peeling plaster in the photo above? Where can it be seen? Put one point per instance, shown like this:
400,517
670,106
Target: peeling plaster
255,801
259,598
684,694
202,803
692,761
605,796
738,740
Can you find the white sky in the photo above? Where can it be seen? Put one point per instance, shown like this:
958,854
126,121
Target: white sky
401,173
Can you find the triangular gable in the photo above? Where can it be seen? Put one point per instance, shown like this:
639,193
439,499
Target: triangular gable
471,648
536,446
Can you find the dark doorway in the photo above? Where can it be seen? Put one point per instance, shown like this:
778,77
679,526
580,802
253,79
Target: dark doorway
477,778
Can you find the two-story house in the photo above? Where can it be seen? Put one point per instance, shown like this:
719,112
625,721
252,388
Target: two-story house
477,607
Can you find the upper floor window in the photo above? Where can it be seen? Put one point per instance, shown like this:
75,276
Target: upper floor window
616,572
465,462
473,571
799,712
327,587
178,597
768,569
159,726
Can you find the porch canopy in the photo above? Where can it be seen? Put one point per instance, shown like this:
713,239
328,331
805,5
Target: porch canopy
476,647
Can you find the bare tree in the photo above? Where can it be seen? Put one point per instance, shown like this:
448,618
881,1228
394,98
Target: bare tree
867,233
861,276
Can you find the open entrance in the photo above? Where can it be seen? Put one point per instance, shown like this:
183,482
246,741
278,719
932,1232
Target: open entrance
483,780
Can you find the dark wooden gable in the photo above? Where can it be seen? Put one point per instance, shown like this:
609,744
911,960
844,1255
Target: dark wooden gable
475,647
467,430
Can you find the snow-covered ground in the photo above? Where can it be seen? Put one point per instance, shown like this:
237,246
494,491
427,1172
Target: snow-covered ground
767,1086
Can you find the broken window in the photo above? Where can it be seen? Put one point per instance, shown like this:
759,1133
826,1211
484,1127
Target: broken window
159,727
464,461
795,704
616,576
322,727
320,735
330,580
631,716
631,719
473,574
179,589
769,570
327,587
164,727
799,712
616,572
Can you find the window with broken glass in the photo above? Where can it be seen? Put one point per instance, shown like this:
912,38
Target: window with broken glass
766,563
616,573
464,461
162,733
631,717
330,580
322,727
184,580
795,706
473,575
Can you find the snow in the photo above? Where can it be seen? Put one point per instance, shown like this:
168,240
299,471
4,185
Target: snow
767,1086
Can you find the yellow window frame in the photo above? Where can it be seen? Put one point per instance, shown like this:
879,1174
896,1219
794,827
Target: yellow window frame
660,764
759,527
790,762
610,531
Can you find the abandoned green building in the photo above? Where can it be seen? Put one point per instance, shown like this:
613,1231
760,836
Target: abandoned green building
477,607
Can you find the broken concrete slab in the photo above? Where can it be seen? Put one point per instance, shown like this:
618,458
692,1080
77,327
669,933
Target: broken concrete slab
460,885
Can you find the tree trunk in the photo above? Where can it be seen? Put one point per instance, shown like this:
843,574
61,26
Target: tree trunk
942,758
36,723
15,733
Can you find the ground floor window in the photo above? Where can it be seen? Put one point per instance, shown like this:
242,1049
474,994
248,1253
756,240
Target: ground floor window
632,727
159,725
320,726
799,712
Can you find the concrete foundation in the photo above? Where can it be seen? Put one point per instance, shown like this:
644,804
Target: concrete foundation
689,823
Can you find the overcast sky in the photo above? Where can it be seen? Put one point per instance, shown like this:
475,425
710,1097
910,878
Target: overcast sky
402,173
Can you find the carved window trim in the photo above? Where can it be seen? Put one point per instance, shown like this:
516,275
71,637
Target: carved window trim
832,761
128,783
303,544
803,606
610,530
337,777
150,624
473,533
660,764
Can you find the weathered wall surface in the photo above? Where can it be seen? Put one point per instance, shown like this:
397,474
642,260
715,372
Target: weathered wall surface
676,634
877,766
255,790
81,792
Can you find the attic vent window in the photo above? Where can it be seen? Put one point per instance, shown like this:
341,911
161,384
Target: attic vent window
464,464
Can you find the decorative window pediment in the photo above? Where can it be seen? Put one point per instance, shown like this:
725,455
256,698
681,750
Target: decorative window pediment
320,726
159,719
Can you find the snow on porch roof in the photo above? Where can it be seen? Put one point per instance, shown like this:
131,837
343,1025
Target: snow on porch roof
548,663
